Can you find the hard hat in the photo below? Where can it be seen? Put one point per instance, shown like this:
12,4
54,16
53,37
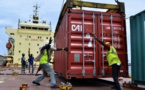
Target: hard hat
23,54
107,43
46,42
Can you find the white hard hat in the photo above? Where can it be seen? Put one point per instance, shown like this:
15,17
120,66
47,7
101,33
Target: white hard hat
46,42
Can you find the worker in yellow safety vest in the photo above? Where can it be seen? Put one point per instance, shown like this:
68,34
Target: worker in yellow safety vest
43,58
113,60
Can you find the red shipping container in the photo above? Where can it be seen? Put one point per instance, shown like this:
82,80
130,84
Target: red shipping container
86,57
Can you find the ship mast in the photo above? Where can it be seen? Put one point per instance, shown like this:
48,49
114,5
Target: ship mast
35,16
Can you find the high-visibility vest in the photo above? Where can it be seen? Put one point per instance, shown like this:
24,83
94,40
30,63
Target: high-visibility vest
112,56
44,58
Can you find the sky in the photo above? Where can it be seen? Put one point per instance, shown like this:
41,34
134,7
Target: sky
12,10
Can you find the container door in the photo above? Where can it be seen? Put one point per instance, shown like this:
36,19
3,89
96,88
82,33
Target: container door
82,54
87,56
112,29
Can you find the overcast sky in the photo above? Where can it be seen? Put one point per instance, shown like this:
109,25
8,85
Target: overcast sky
12,10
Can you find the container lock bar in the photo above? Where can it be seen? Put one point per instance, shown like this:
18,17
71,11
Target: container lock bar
83,41
94,45
111,17
103,71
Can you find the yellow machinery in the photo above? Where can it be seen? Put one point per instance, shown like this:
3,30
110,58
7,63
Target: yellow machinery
67,86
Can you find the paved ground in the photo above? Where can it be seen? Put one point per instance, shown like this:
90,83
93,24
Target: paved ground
9,82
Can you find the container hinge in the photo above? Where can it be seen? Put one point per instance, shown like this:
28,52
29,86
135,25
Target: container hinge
83,72
103,72
94,72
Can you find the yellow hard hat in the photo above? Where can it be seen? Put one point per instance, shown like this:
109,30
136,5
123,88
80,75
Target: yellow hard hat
107,43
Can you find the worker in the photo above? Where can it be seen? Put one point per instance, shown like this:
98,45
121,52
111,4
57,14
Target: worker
49,61
23,63
113,60
43,58
31,58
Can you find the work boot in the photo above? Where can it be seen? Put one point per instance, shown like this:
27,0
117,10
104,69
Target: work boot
36,83
55,86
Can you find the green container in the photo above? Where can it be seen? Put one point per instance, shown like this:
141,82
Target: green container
137,29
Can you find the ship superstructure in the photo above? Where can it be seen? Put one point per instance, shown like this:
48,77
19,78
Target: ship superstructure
28,35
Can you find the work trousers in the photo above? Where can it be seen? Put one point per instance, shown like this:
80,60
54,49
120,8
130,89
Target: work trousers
31,65
39,68
23,69
46,70
115,70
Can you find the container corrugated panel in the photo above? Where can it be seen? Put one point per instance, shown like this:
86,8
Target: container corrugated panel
85,56
137,29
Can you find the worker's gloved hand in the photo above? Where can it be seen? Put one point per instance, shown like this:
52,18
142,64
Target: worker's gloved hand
51,62
58,49
66,49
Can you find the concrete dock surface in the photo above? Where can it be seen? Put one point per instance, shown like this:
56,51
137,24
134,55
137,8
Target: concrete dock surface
10,82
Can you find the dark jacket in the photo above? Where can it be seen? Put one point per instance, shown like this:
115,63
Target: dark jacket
31,58
23,61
